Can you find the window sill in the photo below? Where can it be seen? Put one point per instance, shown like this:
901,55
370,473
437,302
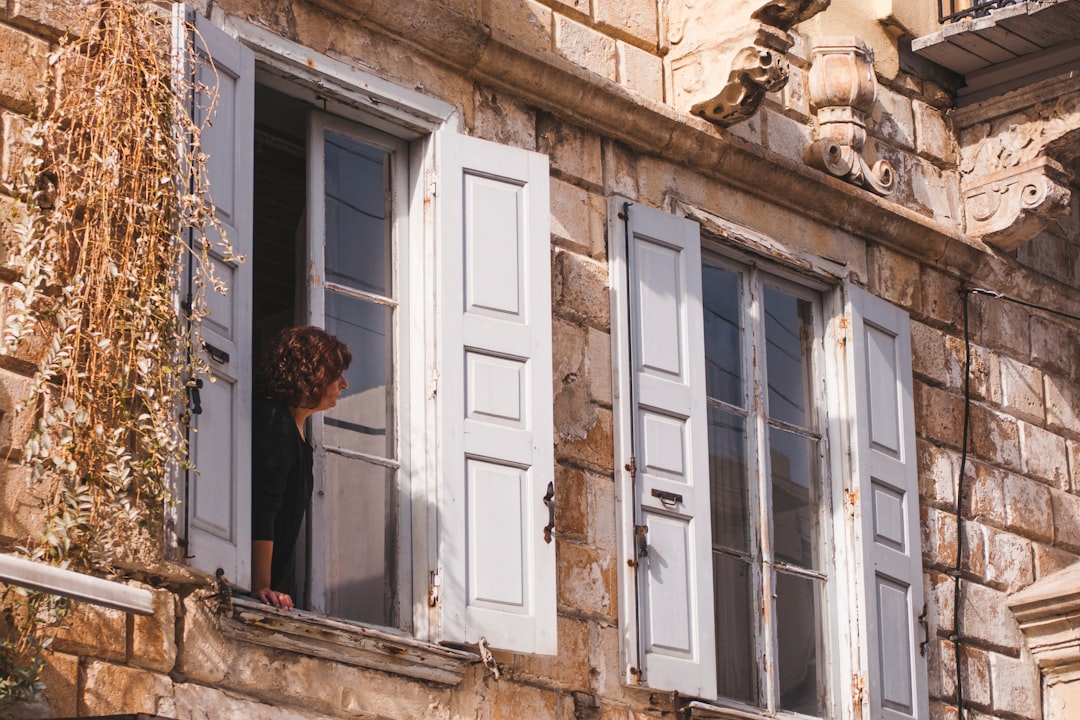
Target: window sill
707,711
350,643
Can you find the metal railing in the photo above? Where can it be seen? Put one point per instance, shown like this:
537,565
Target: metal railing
953,10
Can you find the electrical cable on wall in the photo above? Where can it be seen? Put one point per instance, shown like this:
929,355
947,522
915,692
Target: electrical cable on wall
955,572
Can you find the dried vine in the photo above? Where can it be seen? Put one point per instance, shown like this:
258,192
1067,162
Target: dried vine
110,191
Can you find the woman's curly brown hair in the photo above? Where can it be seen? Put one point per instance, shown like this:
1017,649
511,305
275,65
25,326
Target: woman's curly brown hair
302,363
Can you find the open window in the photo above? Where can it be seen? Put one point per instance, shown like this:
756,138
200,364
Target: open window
362,209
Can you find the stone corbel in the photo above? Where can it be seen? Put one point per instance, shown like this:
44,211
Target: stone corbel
843,87
747,39
1007,208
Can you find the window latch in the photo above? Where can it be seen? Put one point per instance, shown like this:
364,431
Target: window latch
194,398
549,500
640,533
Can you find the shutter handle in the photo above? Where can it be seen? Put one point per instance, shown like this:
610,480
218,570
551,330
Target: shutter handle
667,499
216,354
194,398
549,500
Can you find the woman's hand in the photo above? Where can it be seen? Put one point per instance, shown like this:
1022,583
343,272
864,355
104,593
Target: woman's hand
273,597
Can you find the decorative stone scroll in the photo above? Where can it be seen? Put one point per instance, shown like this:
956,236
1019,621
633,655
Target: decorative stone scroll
1008,208
743,41
843,88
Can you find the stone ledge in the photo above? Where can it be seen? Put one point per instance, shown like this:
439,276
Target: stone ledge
1049,616
351,643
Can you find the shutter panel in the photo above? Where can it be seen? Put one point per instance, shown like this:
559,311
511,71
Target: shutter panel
496,430
218,493
665,430
886,480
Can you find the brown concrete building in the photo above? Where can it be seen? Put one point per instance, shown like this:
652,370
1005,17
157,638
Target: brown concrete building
690,287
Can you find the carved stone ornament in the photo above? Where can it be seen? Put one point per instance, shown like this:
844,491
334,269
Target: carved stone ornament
843,88
741,41
1008,208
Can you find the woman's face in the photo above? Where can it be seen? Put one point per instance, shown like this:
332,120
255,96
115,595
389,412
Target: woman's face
330,395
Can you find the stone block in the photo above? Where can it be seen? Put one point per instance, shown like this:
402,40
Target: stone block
1066,520
20,504
928,353
578,219
1049,560
940,300
94,631
985,495
635,19
12,126
573,152
939,593
60,674
568,361
748,130
569,668
995,437
514,701
941,664
938,538
199,702
943,711
1005,327
934,190
580,290
585,47
1028,511
938,470
595,451
1022,389
1062,409
896,278
1074,465
587,580
1050,255
939,415
986,619
1010,560
112,689
15,424
933,138
1016,685
1053,346
794,95
602,512
572,504
529,25
500,118
153,639
639,71
203,655
985,375
1044,455
51,18
975,673
23,64
783,135
598,357
891,119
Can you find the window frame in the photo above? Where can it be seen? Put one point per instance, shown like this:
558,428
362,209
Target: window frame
754,276
855,682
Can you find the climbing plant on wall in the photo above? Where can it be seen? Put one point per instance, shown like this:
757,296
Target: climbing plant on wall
111,210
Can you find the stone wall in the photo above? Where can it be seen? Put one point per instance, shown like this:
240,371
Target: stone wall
1022,500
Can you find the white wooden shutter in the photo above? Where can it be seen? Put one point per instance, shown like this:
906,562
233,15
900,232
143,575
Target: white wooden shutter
218,492
887,516
663,437
497,572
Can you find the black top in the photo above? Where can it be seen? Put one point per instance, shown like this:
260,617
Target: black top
281,482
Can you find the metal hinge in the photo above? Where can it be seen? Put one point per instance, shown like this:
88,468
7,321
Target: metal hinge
434,583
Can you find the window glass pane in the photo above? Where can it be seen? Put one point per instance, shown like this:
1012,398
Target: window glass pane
736,671
727,475
360,539
723,339
788,332
357,230
363,418
799,637
793,461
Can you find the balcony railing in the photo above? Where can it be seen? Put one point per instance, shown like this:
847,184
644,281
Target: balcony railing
953,10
